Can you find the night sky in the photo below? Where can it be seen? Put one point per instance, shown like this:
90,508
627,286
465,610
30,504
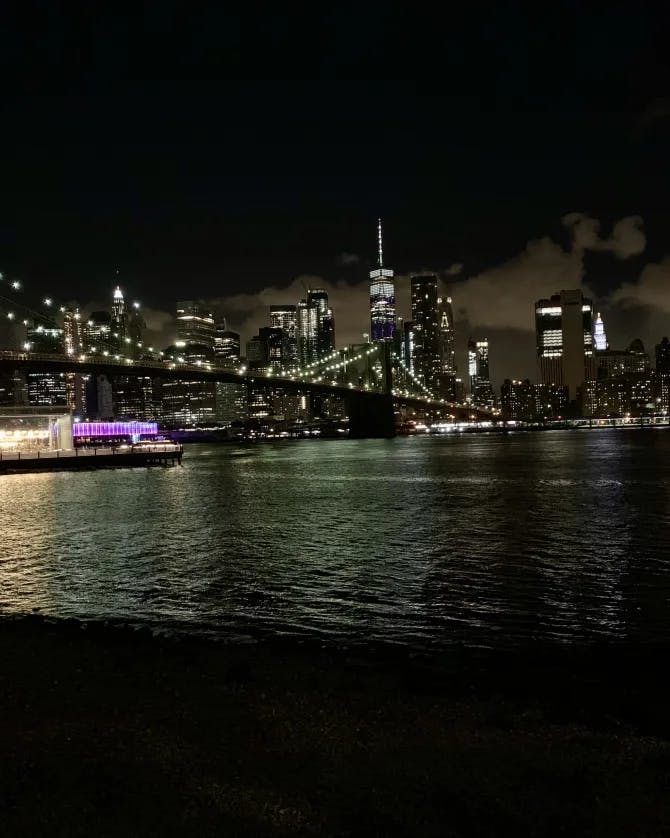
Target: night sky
130,145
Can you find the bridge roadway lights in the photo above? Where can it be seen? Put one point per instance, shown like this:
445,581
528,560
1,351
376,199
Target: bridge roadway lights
370,415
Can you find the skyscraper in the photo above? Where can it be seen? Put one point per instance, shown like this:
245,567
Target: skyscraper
325,321
382,297
564,333
118,323
599,337
663,356
284,317
195,324
226,345
426,360
481,391
307,325
447,350
72,332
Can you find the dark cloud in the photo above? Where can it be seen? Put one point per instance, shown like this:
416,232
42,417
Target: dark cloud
348,259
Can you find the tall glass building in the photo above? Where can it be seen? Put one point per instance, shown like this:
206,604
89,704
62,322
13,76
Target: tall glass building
325,321
382,297
426,360
307,331
284,317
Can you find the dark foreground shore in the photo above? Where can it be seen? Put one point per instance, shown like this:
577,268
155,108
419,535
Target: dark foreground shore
112,732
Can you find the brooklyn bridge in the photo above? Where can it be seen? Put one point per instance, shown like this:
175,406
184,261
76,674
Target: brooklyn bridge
369,380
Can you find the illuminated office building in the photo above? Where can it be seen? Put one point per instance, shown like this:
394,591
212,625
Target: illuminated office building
118,322
307,323
599,337
481,392
45,388
133,397
325,321
186,403
382,297
425,317
226,346
522,401
564,333
195,324
97,334
450,387
72,332
284,317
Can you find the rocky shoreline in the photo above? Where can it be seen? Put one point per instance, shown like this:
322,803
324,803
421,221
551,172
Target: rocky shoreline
111,731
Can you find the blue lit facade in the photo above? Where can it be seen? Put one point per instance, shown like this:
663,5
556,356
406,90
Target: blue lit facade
106,433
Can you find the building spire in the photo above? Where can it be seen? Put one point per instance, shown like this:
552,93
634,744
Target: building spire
379,240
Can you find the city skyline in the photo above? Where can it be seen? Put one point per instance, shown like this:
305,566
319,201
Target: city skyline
631,311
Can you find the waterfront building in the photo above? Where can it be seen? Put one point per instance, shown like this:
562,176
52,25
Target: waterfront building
564,336
35,428
186,403
230,403
73,344
427,359
382,297
45,388
86,434
134,399
99,397
195,324
632,394
522,401
230,399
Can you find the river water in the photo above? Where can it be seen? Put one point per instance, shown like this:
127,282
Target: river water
421,543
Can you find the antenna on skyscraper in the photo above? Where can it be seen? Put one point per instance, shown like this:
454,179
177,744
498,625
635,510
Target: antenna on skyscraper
379,240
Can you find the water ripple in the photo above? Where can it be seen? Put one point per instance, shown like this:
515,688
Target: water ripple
420,542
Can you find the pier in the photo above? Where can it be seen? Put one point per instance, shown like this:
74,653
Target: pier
124,456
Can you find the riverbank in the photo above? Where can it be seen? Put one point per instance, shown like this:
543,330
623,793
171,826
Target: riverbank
114,732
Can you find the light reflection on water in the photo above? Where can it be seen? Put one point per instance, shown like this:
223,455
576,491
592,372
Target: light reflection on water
422,542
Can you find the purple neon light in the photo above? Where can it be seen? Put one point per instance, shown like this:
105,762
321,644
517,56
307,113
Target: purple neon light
113,428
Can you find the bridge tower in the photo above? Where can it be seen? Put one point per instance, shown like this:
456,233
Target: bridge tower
371,414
